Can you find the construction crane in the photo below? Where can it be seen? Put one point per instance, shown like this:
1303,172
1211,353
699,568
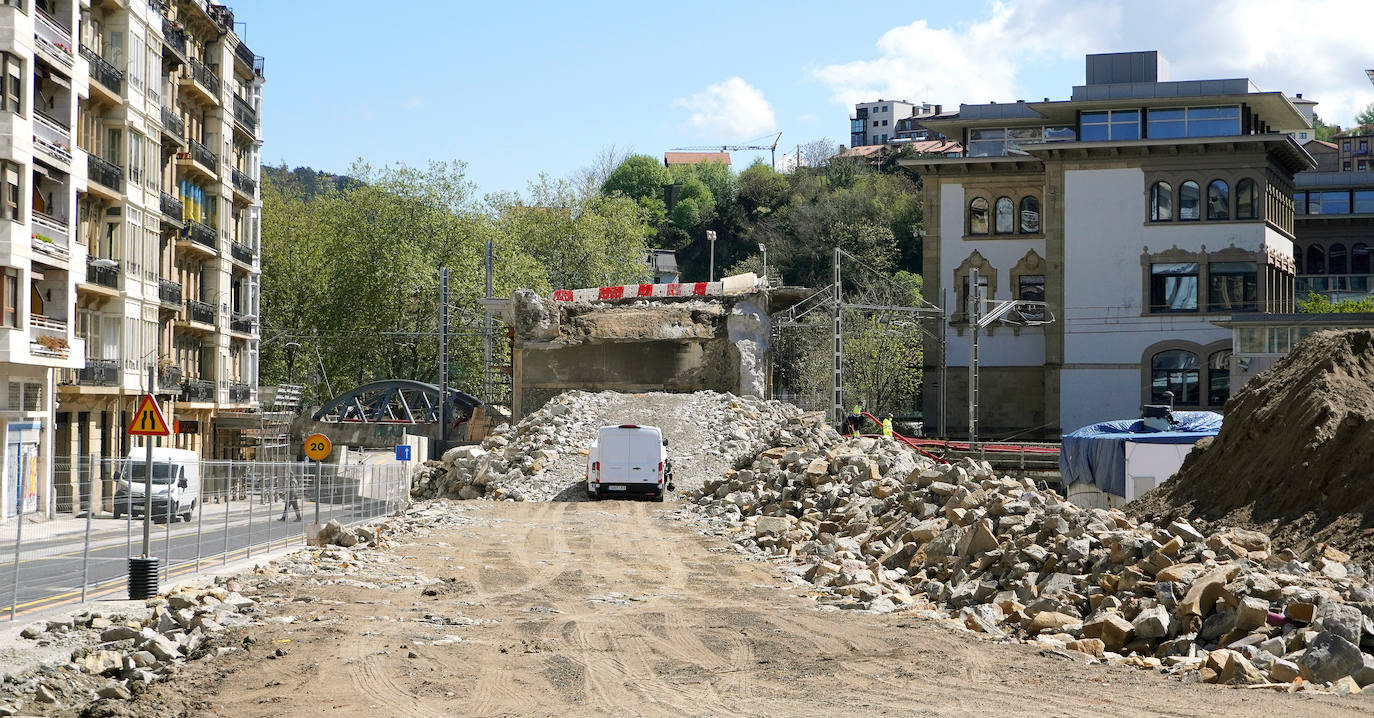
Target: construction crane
772,149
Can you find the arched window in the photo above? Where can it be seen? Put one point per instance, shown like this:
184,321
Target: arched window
1189,201
1218,200
1219,377
1336,259
1316,260
1030,215
1177,371
1361,259
1004,223
1161,202
1247,201
978,216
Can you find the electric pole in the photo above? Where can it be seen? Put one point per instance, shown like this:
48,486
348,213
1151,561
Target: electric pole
837,307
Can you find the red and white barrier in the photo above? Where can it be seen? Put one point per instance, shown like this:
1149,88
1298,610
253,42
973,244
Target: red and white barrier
738,284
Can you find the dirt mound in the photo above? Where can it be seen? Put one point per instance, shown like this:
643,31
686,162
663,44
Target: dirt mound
1295,456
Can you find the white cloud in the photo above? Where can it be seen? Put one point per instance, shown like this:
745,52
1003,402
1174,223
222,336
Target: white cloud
729,110
1281,45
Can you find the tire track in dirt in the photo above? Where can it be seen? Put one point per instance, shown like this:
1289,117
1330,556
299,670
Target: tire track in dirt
372,682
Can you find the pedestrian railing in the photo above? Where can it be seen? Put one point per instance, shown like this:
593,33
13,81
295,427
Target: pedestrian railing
80,549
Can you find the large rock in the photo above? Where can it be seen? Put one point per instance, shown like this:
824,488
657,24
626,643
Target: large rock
1152,623
1237,671
1111,627
1343,620
1329,657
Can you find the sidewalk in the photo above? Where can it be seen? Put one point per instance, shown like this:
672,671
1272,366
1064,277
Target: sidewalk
65,526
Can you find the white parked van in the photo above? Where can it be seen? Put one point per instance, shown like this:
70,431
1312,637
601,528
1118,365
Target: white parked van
176,483
629,460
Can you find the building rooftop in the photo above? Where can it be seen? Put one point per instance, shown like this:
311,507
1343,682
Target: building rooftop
692,158
1334,179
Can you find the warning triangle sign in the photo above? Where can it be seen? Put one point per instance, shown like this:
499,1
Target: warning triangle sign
148,420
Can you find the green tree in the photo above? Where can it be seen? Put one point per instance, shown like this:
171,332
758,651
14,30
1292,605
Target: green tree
1365,116
1320,304
1323,131
695,206
762,189
638,177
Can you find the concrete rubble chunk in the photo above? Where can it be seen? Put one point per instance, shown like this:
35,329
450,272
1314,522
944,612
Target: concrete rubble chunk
1239,671
1329,657
1151,623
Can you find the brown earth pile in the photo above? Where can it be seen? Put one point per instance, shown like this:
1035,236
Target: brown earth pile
1295,455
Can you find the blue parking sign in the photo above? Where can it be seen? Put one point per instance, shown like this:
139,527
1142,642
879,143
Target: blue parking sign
403,452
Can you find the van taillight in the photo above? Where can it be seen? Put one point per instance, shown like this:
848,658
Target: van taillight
660,467
596,466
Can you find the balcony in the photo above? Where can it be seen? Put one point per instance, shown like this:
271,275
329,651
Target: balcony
107,173
245,115
50,235
207,159
242,182
241,323
169,293
53,137
48,336
200,312
53,38
245,55
172,209
173,124
99,372
197,390
174,39
103,72
169,378
241,252
102,272
240,393
202,75
201,234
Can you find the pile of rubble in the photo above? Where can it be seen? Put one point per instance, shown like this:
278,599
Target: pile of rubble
543,457
875,527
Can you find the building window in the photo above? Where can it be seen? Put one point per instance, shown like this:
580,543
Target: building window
1189,201
1337,202
1174,371
1335,259
1219,377
1193,122
1345,166
1173,287
1360,259
1218,200
1030,215
964,291
1161,202
1345,146
9,298
14,82
1232,287
1316,260
884,123
1003,220
1299,203
1364,201
875,123
978,216
1364,146
11,191
1247,200
1110,125
1031,288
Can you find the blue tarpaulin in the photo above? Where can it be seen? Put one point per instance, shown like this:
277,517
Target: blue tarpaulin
1096,454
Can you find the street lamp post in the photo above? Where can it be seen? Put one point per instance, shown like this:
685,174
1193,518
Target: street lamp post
711,237
763,249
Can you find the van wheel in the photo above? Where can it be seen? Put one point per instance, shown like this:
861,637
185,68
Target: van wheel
187,516
592,495
663,496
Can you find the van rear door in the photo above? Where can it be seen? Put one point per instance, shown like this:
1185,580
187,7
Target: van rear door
629,455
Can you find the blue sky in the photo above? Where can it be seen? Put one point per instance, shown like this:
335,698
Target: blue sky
518,89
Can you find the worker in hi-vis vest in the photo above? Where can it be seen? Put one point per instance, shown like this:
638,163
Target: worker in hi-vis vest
856,419
887,426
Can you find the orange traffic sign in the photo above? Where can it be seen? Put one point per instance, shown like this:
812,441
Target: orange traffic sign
317,446
148,420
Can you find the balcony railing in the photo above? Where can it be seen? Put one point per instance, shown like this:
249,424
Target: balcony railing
104,272
50,235
241,252
169,292
242,52
174,37
53,37
52,136
47,336
171,207
244,112
107,173
103,72
201,73
242,182
240,393
200,312
173,122
240,323
169,377
99,372
197,390
203,155
201,234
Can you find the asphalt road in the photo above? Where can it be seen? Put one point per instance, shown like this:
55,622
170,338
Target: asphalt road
50,570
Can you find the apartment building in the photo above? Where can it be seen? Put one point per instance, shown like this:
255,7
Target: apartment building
1334,224
1141,211
134,168
876,123
1353,149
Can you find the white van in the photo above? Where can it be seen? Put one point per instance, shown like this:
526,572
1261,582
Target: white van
176,483
629,460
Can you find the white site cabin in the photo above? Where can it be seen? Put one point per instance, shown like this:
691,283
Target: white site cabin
629,459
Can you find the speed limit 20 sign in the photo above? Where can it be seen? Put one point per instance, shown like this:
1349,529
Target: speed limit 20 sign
317,446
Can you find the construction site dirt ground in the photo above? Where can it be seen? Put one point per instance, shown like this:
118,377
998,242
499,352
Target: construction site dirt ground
608,608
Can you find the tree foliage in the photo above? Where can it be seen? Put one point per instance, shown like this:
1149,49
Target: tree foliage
1365,116
1321,304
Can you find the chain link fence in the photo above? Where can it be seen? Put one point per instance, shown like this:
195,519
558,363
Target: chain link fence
203,513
